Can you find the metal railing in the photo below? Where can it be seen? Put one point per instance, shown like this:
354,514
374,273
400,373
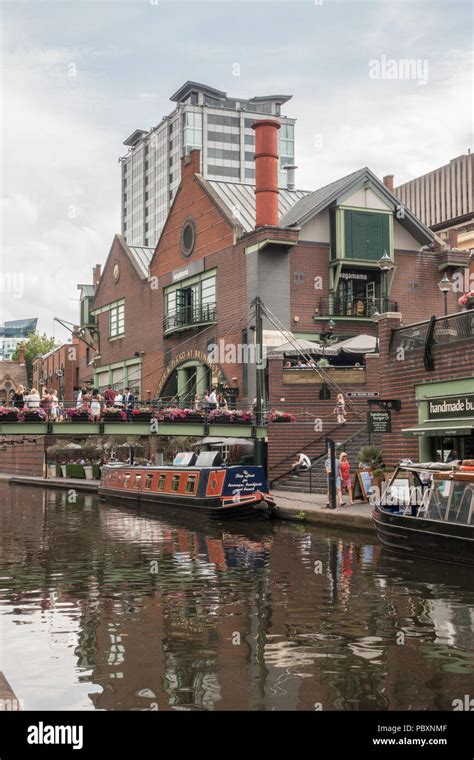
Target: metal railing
447,330
338,306
188,316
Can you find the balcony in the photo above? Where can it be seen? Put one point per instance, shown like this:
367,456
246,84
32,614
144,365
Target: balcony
189,317
337,306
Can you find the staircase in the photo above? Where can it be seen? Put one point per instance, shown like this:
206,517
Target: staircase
315,480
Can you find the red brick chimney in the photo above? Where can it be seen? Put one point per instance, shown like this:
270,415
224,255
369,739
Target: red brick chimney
96,272
191,162
388,182
21,354
452,239
266,172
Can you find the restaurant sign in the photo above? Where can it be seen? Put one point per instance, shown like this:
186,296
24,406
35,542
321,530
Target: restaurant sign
454,406
379,421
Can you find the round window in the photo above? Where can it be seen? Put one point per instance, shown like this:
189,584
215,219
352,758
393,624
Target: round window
188,237
116,272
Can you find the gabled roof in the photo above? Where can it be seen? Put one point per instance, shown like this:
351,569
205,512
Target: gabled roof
239,200
86,290
138,255
13,372
312,204
142,256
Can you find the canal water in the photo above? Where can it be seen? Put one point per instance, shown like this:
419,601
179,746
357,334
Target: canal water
103,608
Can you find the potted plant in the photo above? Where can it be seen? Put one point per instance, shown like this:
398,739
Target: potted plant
226,416
32,415
78,414
113,415
142,414
174,414
467,300
278,416
370,457
8,414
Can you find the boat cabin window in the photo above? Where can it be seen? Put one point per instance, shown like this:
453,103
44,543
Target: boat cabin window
138,480
461,501
175,482
438,499
191,483
126,480
161,482
404,489
148,480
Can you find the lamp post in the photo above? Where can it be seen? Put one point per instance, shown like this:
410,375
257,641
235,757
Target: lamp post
376,316
385,265
325,335
445,285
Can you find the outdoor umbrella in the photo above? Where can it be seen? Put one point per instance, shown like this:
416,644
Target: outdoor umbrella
360,344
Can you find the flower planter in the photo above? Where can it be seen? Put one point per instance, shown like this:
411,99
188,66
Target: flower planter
9,417
113,420
279,419
195,418
142,417
229,420
34,420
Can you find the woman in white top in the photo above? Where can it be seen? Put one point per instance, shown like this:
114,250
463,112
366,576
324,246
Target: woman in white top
33,399
118,401
95,407
54,404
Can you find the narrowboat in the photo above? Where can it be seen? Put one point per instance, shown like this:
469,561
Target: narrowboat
427,511
203,485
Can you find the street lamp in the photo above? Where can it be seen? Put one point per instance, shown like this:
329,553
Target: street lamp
445,285
326,334
385,265
376,316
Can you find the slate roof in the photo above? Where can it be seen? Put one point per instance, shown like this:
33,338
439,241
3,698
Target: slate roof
318,198
142,255
239,199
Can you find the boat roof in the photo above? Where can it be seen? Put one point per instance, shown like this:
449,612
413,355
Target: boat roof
407,464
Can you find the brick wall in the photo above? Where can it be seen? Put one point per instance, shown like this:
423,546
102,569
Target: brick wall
22,457
399,378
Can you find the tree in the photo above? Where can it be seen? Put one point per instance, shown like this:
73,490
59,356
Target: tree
35,344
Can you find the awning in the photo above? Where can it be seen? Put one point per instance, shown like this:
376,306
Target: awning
212,441
442,427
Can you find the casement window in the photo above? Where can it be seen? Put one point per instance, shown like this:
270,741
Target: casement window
116,319
366,235
191,302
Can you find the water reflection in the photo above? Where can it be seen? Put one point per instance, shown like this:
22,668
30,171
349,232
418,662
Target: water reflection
105,608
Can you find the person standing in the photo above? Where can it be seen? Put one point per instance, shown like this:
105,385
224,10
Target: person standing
197,403
327,467
212,399
345,468
118,400
340,409
128,403
109,396
18,397
33,399
95,405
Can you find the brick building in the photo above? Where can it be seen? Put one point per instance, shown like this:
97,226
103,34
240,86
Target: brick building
12,374
69,366
431,371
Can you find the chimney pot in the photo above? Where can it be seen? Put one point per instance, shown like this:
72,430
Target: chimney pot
290,176
388,182
21,354
266,172
96,273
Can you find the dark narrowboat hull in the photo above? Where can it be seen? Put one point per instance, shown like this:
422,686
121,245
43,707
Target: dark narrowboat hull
252,509
426,539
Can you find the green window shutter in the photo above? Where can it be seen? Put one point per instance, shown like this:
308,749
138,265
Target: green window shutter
366,235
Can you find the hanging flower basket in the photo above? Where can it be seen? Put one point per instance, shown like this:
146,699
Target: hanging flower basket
278,416
8,415
178,416
230,416
32,416
467,300
114,416
78,415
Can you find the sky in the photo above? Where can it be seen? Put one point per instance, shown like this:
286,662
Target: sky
79,76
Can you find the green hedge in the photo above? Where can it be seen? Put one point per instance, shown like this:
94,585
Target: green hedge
75,471
96,471
59,472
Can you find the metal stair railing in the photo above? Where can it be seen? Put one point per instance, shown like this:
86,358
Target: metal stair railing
319,456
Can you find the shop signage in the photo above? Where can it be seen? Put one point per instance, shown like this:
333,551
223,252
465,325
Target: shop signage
201,356
189,270
353,276
454,406
379,421
363,394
